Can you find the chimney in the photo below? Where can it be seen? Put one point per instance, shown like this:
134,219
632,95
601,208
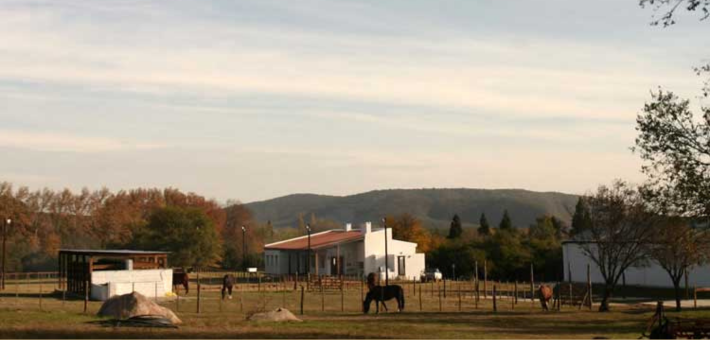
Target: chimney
368,228
348,227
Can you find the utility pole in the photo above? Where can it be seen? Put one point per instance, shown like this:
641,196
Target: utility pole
387,270
244,248
5,225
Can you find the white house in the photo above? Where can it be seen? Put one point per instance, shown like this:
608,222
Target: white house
648,274
360,251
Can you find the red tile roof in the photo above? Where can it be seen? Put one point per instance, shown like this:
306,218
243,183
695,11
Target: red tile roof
321,240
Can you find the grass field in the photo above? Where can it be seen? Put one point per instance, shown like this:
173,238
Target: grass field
21,317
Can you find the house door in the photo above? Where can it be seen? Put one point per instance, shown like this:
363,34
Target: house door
401,270
334,266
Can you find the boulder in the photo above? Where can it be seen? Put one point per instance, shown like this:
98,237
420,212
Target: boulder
277,315
135,304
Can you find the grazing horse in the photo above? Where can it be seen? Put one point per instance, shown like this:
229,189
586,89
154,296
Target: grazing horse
545,294
227,284
181,278
382,294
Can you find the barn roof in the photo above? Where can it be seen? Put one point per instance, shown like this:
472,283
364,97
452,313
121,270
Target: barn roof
320,240
111,252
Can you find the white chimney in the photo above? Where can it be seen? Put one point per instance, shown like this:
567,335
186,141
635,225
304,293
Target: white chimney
348,227
368,228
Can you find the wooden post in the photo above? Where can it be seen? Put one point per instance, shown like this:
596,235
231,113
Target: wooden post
444,280
687,288
532,285
86,297
199,291
342,296
241,298
516,292
258,283
695,297
475,280
322,299
362,288
589,285
302,300
420,297
495,303
439,288
459,290
485,279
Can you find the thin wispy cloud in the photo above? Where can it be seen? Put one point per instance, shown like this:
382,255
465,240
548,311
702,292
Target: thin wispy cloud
427,90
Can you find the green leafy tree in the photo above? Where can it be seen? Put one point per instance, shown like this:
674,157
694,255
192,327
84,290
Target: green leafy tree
505,222
455,230
187,233
484,227
676,148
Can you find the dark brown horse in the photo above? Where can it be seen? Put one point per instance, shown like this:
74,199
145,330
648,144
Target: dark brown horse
181,278
227,284
381,294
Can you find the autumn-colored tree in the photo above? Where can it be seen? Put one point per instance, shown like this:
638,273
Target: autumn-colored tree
408,228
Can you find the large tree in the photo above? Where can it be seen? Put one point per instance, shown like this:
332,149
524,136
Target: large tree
675,144
677,247
406,227
187,233
455,230
620,229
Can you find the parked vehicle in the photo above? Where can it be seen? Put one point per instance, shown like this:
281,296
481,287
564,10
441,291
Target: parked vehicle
431,275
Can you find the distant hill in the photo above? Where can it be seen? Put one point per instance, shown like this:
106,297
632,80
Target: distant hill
435,207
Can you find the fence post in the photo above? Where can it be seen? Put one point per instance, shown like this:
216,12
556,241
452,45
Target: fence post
589,285
459,290
439,289
302,300
322,298
199,291
444,288
342,296
485,279
516,292
695,297
241,299
86,296
532,286
420,296
495,303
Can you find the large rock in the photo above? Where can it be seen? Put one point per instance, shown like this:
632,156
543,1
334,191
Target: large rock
135,304
277,315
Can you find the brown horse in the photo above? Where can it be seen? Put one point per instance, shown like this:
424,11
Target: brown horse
545,294
181,278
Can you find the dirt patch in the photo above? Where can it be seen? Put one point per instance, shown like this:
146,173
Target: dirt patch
277,315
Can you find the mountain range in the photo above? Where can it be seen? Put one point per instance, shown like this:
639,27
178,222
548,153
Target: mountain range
434,207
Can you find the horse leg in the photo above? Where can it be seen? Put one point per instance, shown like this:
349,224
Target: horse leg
385,306
230,292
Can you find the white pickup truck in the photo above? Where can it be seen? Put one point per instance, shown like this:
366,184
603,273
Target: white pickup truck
431,275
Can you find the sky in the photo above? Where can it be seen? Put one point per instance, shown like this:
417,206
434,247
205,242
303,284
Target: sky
255,99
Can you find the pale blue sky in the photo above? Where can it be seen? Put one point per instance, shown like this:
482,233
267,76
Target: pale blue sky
255,99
